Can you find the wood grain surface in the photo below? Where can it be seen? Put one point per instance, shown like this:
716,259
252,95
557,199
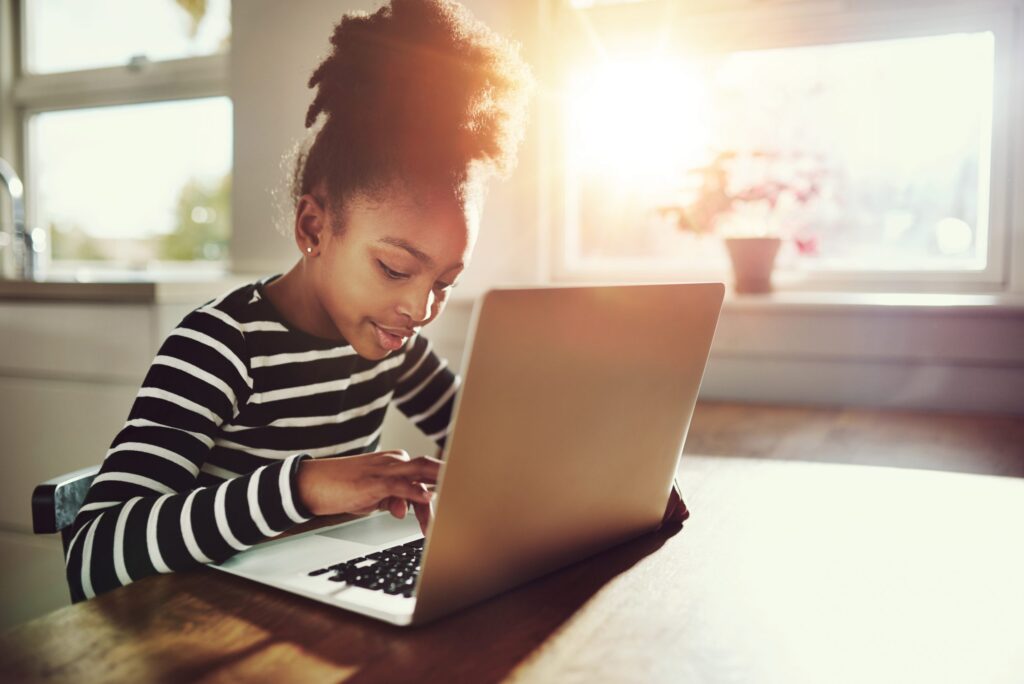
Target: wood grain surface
786,572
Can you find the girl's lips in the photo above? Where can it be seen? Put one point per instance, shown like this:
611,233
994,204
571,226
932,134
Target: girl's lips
388,340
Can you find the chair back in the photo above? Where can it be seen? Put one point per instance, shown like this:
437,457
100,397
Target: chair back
55,503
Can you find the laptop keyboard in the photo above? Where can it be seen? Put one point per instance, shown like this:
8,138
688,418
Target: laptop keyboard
393,570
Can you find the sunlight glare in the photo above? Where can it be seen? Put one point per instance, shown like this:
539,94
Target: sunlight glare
953,235
637,118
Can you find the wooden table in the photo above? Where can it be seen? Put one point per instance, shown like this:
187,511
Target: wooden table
787,572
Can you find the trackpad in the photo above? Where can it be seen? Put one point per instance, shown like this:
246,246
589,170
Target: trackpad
376,530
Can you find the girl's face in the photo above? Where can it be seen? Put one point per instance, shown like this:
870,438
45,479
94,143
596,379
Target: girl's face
390,269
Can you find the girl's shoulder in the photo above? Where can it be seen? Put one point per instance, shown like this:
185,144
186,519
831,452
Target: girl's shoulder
229,317
247,317
241,305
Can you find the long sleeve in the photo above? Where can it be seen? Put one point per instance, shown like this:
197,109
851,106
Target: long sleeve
426,390
144,513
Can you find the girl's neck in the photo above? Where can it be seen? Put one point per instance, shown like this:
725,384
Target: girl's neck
295,300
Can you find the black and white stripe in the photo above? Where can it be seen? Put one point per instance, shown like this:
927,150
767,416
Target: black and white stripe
205,465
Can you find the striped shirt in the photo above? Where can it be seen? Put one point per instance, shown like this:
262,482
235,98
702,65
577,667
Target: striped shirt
205,465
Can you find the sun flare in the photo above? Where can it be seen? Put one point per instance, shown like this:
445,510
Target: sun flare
637,118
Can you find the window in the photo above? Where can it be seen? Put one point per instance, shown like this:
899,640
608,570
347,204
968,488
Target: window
872,141
163,181
124,132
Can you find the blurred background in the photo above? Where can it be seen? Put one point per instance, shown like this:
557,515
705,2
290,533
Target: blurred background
874,147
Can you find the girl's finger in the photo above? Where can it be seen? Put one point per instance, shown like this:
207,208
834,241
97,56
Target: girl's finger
421,469
387,458
398,507
403,488
423,515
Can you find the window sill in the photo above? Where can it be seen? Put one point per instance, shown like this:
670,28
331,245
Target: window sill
877,302
836,302
187,288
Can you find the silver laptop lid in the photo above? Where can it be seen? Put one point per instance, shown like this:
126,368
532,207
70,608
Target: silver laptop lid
568,429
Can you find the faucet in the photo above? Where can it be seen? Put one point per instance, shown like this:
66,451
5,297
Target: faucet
25,245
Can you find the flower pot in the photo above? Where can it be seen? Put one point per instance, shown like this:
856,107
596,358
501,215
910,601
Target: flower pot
753,259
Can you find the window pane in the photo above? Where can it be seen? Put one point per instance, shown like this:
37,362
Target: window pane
875,154
134,184
70,35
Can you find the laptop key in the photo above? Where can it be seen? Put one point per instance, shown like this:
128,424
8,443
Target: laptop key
391,570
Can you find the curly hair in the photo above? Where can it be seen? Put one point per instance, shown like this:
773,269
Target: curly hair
419,92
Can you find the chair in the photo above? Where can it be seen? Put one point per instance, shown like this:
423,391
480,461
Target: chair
55,503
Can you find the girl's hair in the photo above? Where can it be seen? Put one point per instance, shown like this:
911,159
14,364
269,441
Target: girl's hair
418,93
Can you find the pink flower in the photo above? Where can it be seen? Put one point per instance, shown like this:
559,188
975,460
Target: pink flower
806,246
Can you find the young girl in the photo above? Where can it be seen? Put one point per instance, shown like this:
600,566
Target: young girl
263,408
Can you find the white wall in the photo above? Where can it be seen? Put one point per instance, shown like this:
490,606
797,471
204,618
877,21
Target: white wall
922,354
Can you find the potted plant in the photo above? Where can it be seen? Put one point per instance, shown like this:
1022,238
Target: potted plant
745,198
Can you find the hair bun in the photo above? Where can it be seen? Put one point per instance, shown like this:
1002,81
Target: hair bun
419,86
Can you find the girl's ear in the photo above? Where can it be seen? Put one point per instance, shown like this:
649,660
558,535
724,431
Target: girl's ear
311,220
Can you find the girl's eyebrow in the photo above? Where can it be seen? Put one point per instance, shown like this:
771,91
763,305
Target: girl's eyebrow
408,246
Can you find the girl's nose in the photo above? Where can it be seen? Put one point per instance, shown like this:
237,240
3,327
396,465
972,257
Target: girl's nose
418,306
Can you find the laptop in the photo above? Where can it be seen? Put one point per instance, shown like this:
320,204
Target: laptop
567,435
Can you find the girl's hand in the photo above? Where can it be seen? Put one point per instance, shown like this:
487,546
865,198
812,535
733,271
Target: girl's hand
398,507
360,484
675,511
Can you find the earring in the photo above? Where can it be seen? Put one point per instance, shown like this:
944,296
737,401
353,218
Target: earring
309,250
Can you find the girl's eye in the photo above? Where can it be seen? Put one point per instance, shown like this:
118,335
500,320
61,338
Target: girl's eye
392,273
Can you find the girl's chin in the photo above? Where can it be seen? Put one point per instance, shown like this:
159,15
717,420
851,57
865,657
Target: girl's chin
370,352
369,348
375,355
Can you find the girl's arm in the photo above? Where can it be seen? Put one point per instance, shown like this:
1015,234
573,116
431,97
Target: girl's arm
144,513
426,390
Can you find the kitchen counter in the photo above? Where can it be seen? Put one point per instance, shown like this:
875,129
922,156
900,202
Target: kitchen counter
123,290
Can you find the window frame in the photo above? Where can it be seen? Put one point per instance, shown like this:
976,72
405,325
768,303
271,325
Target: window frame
24,94
781,24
